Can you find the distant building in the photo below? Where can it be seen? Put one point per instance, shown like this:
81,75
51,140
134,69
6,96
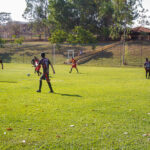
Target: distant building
140,33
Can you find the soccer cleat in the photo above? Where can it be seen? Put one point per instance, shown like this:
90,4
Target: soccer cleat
38,91
51,91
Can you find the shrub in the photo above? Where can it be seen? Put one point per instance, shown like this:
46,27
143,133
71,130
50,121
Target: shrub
58,36
81,36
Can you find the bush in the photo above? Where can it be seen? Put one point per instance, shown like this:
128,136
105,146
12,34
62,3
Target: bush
58,36
81,36
19,41
2,42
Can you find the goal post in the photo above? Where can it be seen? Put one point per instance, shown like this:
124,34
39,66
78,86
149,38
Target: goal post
70,53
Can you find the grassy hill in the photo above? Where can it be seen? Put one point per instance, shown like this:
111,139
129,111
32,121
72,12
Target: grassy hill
135,53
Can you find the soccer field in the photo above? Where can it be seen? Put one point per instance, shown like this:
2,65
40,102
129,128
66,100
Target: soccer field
97,109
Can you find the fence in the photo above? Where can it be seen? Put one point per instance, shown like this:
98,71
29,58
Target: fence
103,54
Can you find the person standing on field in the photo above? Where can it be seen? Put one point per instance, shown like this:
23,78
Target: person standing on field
74,65
44,62
147,67
35,63
1,62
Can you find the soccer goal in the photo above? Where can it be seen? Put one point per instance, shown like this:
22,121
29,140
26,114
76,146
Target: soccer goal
62,54
70,53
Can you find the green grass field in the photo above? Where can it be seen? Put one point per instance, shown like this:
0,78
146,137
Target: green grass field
98,109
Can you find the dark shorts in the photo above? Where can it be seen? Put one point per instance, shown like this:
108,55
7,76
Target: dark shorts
147,69
45,76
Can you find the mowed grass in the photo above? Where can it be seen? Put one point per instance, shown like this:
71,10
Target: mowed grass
100,108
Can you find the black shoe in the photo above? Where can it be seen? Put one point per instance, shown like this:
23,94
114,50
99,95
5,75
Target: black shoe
39,91
51,91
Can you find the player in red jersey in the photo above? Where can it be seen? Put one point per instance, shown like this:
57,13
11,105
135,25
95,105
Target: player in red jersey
45,76
35,62
74,65
1,62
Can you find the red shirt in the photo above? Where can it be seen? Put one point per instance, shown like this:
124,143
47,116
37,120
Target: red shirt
74,63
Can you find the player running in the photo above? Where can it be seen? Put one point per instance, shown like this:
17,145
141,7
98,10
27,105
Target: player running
35,63
1,62
45,76
74,65
147,67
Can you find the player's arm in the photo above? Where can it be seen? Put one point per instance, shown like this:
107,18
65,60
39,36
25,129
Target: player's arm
52,67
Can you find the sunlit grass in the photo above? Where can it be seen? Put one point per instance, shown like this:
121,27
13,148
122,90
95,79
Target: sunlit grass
100,108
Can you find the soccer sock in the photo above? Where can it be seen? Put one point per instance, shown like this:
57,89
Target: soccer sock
77,70
40,86
146,74
50,86
70,70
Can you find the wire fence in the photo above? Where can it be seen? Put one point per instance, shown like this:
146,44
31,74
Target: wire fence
103,54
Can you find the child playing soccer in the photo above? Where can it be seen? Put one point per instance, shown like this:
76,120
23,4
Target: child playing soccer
35,62
45,76
74,65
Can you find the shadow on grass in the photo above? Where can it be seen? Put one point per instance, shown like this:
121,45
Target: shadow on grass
74,95
82,73
9,81
103,54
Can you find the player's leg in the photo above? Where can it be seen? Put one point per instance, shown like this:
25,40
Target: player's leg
146,74
40,84
48,82
50,87
77,70
70,70
35,70
39,73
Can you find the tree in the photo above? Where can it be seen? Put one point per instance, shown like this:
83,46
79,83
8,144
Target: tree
81,36
70,13
63,13
124,13
37,13
15,28
105,18
4,17
59,36
19,41
2,42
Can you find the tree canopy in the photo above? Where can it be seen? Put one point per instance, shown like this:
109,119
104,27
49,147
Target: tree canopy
104,18
4,17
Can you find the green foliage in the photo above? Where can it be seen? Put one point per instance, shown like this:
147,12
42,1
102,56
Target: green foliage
64,13
81,36
14,36
37,13
124,13
103,18
2,42
19,41
4,17
59,36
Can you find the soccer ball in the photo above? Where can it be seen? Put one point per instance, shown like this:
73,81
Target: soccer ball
28,74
